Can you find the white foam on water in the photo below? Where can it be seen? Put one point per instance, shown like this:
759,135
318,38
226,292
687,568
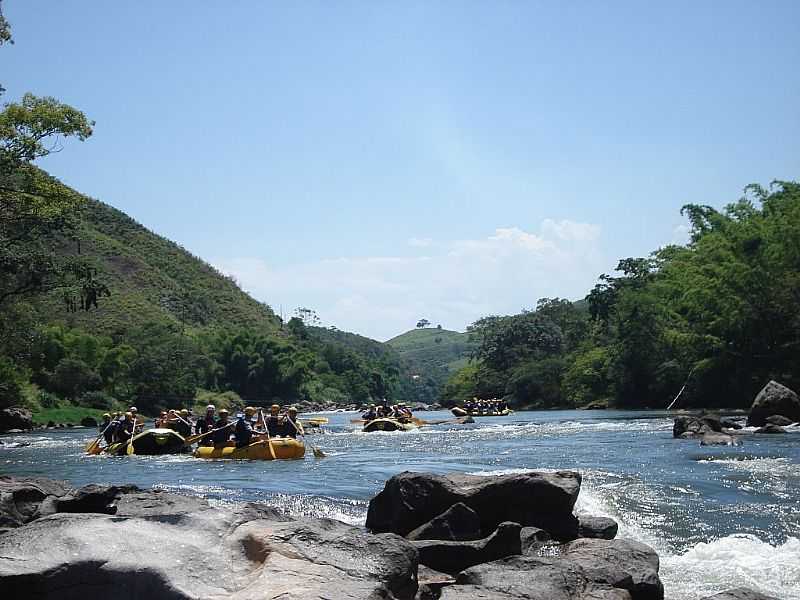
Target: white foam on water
734,561
708,567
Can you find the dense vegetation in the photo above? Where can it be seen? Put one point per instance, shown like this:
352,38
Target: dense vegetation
433,355
720,315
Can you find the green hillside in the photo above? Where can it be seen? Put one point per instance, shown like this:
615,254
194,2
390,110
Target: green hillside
434,355
151,279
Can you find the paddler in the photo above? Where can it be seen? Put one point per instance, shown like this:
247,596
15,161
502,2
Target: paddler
205,424
291,426
182,424
224,426
106,428
125,428
273,421
243,431
371,414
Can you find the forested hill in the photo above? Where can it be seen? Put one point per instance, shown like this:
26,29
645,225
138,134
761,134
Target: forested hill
151,279
102,313
433,355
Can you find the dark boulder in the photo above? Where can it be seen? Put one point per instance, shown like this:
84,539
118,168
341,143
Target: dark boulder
15,417
621,570
21,497
774,399
431,583
719,439
779,420
459,522
695,425
597,527
740,594
613,562
89,422
452,557
730,424
51,424
543,500
770,428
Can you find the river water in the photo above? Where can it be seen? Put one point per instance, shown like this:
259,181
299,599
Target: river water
719,517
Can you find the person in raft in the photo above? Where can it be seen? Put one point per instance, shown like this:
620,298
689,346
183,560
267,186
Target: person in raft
245,427
206,424
291,426
371,414
274,422
125,428
181,423
223,429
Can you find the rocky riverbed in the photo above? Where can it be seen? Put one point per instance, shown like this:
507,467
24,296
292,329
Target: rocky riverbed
428,536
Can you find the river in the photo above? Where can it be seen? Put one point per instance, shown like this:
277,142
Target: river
719,517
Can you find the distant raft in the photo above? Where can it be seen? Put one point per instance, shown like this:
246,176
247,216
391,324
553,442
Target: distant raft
151,443
282,448
460,412
388,424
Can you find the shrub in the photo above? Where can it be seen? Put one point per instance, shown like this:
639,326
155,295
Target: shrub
97,399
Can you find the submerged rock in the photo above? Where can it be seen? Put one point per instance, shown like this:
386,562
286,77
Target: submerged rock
779,420
543,500
774,399
740,594
686,426
719,439
770,428
597,527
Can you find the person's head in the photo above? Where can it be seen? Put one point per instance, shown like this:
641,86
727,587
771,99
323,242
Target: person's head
171,412
292,412
129,416
223,414
274,409
133,410
372,406
106,417
210,409
249,411
163,414
184,412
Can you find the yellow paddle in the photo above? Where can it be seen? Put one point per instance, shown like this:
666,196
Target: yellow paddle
129,449
94,447
266,430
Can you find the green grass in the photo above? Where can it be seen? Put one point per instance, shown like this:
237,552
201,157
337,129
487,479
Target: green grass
65,414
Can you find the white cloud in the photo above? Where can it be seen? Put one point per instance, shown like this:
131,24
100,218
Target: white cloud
455,284
681,234
420,242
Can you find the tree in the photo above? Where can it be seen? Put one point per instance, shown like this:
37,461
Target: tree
423,323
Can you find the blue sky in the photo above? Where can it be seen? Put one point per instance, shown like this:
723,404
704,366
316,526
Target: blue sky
382,162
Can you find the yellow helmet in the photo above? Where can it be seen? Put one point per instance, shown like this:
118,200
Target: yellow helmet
184,412
223,411
249,410
106,416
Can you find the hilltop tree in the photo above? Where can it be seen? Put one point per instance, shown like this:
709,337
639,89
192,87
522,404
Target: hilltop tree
422,323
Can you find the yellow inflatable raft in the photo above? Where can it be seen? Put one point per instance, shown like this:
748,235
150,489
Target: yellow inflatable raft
281,448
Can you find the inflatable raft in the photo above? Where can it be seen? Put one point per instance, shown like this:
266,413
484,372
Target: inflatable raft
151,442
460,412
388,424
281,448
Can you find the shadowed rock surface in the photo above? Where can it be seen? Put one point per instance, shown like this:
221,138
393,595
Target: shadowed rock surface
459,522
779,420
15,418
452,557
770,428
597,527
543,500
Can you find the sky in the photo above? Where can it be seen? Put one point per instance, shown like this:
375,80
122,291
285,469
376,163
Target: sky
383,162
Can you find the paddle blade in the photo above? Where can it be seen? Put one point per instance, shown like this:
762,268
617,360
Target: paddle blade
129,449
318,453
93,448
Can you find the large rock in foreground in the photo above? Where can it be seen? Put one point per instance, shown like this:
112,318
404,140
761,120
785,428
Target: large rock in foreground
543,500
162,546
774,399
15,417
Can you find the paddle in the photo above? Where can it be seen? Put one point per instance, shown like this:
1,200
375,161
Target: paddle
129,449
317,452
269,439
94,447
192,439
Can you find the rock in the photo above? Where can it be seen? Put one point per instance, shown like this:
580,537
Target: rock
730,424
532,538
740,594
548,578
210,552
543,500
686,426
17,418
612,562
21,497
597,527
51,424
459,522
774,399
89,422
452,557
431,583
779,420
770,428
719,439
